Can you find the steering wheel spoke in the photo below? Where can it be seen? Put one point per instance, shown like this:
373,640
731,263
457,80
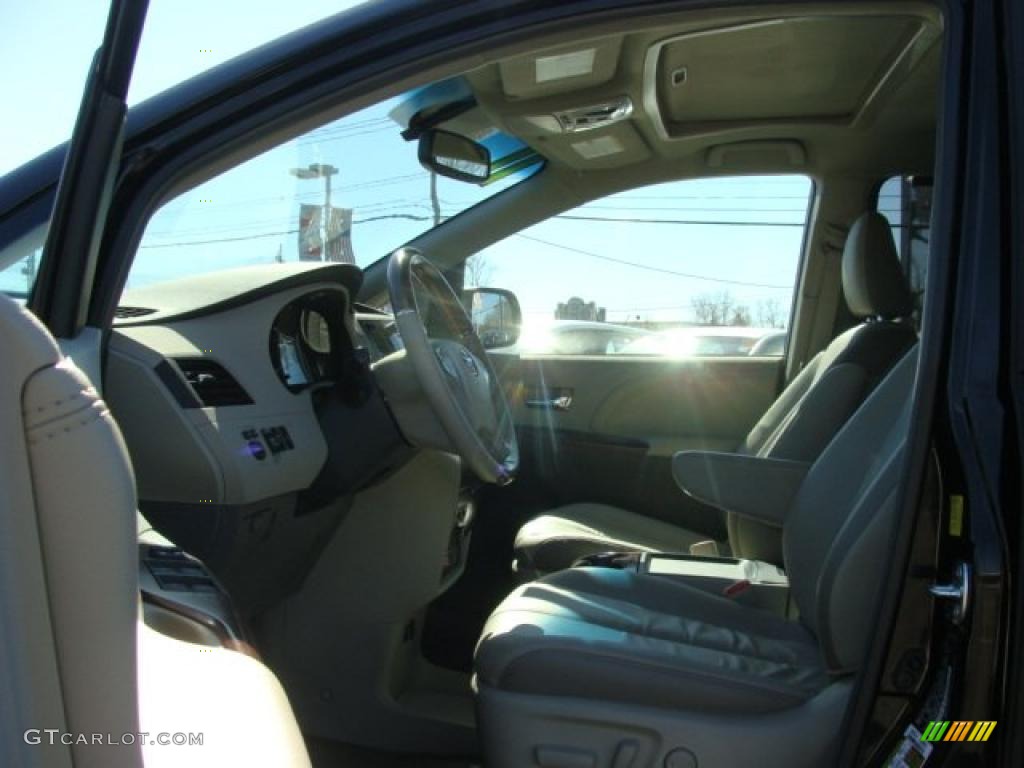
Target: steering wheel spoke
452,367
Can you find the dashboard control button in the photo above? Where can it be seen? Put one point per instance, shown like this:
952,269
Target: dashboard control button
277,439
272,440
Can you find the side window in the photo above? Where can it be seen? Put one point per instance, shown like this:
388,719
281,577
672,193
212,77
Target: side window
19,264
689,268
906,201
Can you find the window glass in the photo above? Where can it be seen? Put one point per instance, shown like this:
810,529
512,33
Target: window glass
688,268
350,191
906,201
19,264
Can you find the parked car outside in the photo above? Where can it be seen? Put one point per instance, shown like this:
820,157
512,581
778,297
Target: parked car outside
580,337
699,341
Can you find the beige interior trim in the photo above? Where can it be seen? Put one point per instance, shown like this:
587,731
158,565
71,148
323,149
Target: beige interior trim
231,699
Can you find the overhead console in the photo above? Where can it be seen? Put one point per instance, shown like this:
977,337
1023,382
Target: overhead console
739,89
710,79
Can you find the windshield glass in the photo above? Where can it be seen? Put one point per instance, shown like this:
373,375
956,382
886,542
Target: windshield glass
350,191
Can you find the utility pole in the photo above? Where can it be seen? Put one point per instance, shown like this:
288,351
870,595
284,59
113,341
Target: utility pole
317,171
29,271
434,201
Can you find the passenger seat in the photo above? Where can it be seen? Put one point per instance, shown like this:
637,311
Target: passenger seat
798,426
599,666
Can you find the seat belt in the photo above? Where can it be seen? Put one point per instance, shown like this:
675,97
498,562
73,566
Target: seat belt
826,296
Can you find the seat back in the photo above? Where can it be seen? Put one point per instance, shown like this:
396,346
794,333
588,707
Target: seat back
820,400
68,569
837,533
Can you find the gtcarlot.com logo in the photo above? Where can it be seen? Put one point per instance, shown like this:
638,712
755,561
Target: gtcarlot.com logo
53,736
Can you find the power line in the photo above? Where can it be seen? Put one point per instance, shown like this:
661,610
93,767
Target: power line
248,225
220,240
688,222
688,209
331,128
651,268
282,233
216,207
340,137
627,196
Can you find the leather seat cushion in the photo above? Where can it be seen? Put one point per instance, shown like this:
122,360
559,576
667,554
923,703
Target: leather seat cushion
555,539
616,635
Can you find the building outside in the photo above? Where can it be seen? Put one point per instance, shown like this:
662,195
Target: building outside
577,309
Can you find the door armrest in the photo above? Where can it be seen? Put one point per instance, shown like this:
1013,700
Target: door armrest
757,488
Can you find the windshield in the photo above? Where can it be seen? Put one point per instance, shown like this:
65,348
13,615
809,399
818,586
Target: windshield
350,191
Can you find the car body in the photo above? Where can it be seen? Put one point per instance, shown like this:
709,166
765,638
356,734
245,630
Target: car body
772,343
579,337
684,342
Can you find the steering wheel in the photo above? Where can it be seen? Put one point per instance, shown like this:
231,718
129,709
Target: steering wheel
452,367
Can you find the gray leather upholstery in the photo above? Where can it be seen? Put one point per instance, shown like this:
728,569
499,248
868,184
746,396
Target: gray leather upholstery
576,530
873,281
601,640
797,426
750,486
618,636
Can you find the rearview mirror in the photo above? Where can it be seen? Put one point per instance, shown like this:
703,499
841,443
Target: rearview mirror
496,316
454,156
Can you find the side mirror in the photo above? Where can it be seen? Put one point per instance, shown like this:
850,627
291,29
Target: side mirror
496,316
454,156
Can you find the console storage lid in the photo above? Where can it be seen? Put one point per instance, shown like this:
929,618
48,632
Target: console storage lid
758,488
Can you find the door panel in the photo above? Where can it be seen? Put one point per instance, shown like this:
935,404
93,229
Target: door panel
619,420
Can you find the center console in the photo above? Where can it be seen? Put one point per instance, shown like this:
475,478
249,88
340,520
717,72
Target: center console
748,582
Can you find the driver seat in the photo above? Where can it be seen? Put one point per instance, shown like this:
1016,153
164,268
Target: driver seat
798,426
608,668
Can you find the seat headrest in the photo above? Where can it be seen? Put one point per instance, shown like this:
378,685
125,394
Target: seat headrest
873,280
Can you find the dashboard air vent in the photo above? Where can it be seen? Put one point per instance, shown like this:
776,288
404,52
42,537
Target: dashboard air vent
213,385
124,313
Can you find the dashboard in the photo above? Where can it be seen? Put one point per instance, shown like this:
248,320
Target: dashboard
209,416
251,408
233,392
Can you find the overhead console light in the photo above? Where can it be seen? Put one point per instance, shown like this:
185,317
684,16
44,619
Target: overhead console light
599,147
565,65
547,123
588,118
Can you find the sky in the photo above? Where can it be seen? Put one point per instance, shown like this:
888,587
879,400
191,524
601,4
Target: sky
48,45
618,252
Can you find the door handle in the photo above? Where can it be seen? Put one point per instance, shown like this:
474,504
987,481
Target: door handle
562,403
958,591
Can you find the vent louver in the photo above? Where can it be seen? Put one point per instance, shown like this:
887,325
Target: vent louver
124,313
213,385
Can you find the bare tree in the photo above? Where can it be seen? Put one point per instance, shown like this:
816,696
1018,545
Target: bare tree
478,271
703,309
715,308
740,315
770,314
